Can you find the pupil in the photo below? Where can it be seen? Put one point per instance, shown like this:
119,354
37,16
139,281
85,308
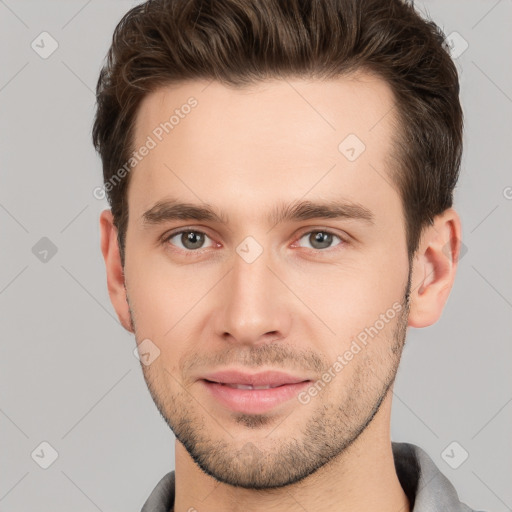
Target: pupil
192,238
322,238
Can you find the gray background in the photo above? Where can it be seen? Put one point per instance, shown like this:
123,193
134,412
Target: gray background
67,371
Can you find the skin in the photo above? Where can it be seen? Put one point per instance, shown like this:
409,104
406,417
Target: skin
296,308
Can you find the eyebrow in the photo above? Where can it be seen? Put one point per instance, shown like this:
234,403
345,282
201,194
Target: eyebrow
172,209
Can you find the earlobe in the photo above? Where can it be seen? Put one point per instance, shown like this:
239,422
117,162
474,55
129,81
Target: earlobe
434,269
114,269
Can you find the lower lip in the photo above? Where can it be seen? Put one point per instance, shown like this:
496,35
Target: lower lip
253,401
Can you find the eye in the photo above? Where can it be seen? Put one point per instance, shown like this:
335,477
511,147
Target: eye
190,239
320,239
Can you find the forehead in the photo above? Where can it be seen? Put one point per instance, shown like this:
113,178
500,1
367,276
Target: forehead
276,139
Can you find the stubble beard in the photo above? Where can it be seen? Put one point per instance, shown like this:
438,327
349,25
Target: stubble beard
287,459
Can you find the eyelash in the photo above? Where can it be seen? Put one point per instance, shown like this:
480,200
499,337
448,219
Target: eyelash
191,253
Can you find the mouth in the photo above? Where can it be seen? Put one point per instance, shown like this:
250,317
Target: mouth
244,386
253,393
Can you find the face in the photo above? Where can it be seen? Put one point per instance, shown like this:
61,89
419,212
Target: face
266,270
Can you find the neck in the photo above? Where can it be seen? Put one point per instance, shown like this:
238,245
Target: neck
362,478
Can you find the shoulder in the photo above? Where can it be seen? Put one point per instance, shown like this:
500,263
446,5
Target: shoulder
427,488
161,498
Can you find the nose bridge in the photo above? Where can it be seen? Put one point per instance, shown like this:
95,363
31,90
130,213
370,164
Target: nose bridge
254,302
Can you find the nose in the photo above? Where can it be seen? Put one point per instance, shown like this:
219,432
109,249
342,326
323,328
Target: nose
254,306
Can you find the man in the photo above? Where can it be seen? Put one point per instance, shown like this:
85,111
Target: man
280,177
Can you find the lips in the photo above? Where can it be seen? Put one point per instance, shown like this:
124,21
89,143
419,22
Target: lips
263,380
253,393
246,386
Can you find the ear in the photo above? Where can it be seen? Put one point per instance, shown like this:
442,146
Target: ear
115,274
434,268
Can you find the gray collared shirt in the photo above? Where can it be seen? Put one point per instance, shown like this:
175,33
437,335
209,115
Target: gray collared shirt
426,487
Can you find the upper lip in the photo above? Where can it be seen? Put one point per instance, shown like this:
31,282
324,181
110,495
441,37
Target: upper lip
268,378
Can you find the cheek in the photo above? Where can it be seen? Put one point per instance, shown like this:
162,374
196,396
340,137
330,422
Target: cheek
154,296
359,310
350,294
362,363
167,302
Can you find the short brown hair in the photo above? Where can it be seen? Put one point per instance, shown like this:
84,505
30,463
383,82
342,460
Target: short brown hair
241,42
